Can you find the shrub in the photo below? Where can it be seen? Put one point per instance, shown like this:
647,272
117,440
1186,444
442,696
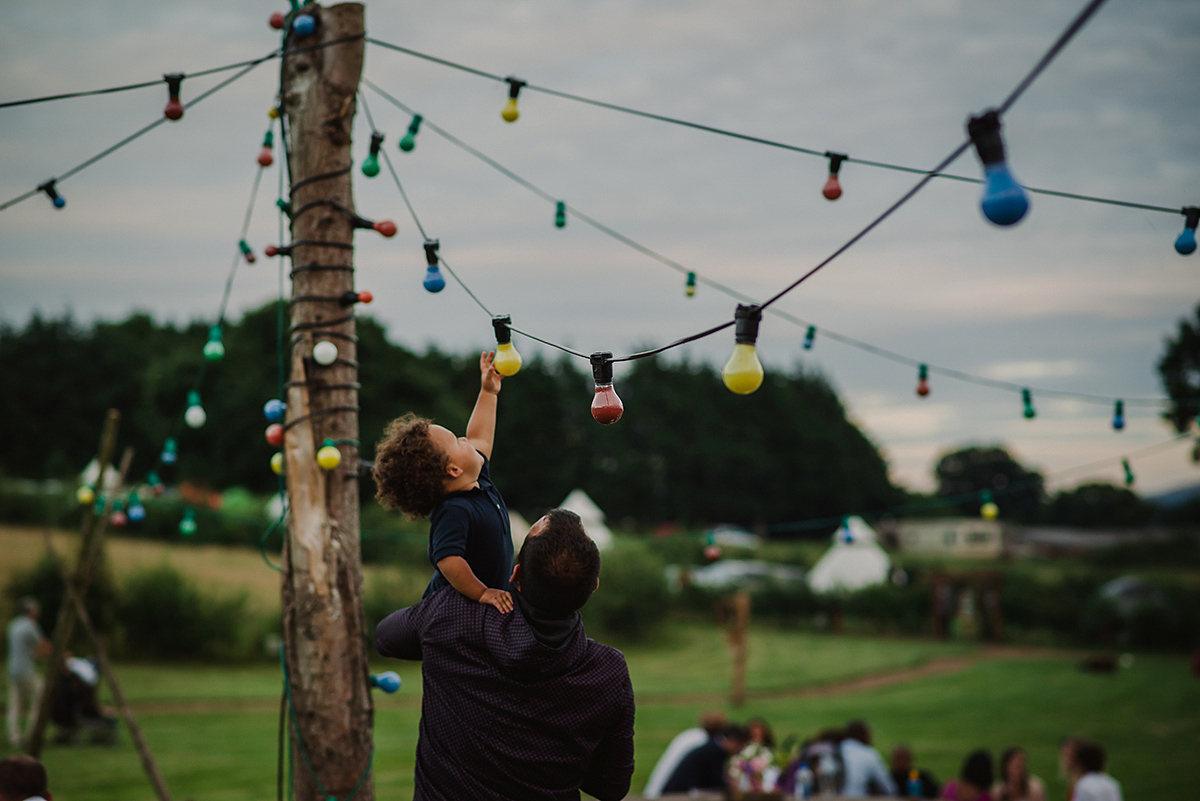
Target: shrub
164,615
632,598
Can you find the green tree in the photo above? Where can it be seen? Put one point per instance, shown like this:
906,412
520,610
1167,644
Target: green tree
1179,368
969,471
1098,506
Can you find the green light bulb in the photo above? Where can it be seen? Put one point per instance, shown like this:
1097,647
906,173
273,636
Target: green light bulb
214,349
370,165
560,215
409,140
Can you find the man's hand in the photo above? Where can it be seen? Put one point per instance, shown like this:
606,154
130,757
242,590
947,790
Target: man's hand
489,379
497,598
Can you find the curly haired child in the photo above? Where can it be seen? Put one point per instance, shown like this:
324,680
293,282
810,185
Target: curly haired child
424,470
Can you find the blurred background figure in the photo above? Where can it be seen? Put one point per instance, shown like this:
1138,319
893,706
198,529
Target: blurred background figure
1015,782
703,768
711,725
1092,783
974,780
22,778
25,644
905,773
866,773
75,707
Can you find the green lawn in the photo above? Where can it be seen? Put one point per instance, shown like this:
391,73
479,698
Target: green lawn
1148,716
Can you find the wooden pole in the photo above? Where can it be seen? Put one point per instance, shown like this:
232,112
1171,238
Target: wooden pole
737,641
92,528
323,625
135,731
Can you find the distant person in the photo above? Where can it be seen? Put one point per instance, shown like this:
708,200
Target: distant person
23,778
974,780
25,644
904,771
1066,758
520,706
1015,782
1087,770
424,470
703,768
823,755
711,725
866,774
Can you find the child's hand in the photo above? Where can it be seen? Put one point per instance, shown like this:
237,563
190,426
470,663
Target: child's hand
497,598
489,379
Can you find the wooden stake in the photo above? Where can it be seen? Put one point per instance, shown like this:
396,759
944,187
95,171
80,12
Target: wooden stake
738,635
323,625
92,529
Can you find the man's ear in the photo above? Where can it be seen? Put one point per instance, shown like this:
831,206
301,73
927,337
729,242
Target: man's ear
515,578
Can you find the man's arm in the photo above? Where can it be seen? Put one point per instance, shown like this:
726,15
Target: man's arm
463,578
399,634
481,428
611,768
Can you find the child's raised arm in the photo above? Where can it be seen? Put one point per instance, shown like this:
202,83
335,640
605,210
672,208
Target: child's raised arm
481,428
462,578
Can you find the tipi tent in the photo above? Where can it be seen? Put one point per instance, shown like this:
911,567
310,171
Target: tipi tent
855,560
593,519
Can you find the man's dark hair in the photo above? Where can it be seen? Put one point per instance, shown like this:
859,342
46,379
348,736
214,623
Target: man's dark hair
858,730
735,732
559,566
977,770
21,777
1090,756
409,471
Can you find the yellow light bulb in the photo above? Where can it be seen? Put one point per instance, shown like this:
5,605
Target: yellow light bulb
85,495
989,511
277,464
329,457
510,112
507,361
743,372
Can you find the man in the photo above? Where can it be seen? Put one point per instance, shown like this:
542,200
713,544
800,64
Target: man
866,774
703,768
25,643
688,740
902,767
22,778
520,706
1087,772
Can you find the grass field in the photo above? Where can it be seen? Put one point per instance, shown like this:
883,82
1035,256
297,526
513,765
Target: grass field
213,728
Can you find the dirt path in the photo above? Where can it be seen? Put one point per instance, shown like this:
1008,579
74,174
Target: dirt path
939,666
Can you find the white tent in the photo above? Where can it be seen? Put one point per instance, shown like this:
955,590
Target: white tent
855,560
593,519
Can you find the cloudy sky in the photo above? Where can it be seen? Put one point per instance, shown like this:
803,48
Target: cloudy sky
1077,297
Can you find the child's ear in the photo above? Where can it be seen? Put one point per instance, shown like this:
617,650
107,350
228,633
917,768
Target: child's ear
453,470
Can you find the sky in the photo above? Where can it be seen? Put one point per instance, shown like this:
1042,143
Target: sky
1077,297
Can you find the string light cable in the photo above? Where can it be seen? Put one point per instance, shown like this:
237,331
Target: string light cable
825,154
718,286
277,53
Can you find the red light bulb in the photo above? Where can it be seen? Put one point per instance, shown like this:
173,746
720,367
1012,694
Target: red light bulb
385,228
274,435
265,157
832,189
277,20
606,406
922,380
119,519
174,109
365,297
712,552
270,251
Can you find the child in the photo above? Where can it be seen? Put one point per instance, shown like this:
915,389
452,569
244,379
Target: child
423,469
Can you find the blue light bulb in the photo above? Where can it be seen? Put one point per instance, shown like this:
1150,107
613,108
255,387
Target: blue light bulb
304,25
273,410
433,279
388,681
1119,416
61,201
1186,243
809,336
1004,201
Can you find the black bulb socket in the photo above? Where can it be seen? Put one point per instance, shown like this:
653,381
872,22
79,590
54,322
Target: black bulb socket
602,368
984,131
501,323
746,319
376,142
431,252
514,86
1191,216
835,161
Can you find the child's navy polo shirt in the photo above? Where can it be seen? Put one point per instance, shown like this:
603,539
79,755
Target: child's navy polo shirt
473,524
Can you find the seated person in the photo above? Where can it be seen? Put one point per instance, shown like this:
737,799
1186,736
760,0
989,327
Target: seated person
1015,782
1092,783
23,778
865,773
704,768
903,768
974,780
74,705
711,724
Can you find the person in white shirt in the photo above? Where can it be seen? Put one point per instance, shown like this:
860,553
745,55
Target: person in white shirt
25,643
1087,768
865,771
23,778
711,724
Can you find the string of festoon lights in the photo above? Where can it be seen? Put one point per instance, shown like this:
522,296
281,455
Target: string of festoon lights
434,281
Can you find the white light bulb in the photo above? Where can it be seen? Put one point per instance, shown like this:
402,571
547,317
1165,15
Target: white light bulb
325,352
